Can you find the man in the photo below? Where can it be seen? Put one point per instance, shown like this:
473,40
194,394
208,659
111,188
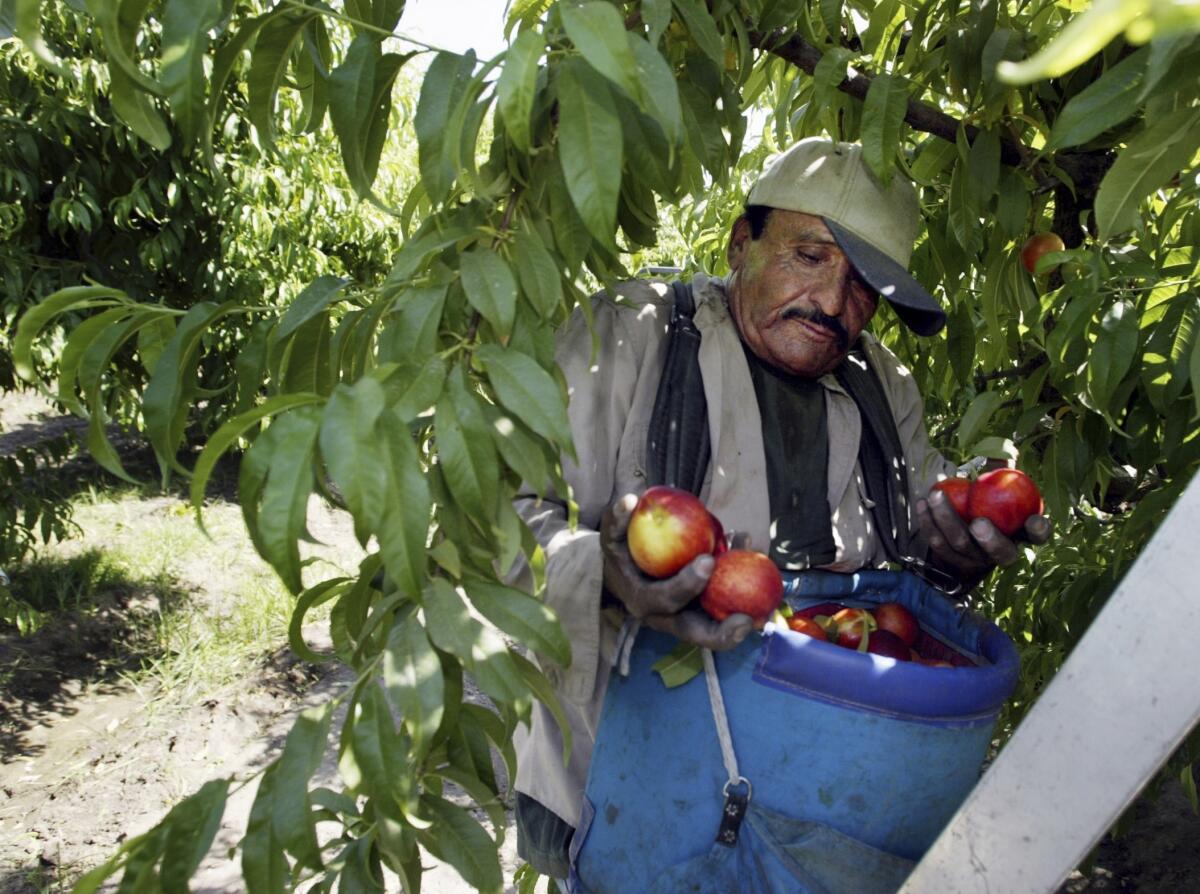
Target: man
822,239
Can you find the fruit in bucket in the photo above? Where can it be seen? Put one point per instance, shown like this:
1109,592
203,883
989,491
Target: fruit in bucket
1006,497
895,618
808,627
744,581
887,644
852,625
668,528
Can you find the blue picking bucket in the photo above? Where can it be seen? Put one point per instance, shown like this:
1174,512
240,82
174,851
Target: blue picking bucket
856,762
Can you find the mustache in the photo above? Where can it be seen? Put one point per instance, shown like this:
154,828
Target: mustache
817,317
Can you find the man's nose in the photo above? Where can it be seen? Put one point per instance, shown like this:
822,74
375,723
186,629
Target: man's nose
835,290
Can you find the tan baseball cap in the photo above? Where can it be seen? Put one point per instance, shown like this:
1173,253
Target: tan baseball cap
875,225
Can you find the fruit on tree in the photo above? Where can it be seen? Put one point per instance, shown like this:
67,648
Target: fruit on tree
956,490
1006,497
808,627
1037,245
744,581
668,528
852,625
894,618
885,643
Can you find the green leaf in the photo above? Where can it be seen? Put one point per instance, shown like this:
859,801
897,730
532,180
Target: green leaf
933,158
412,675
704,30
1012,204
411,331
185,28
570,233
526,619
375,763
290,444
78,342
883,118
352,452
264,866
660,90
273,48
1112,354
444,86
360,105
36,318
1083,37
964,217
153,339
679,665
313,300
1102,104
165,403
481,650
414,389
520,450
528,391
404,529
656,16
1150,160
456,838
491,288
27,25
598,32
831,17
590,150
465,451
1194,372
517,87
537,272
541,688
233,429
983,169
222,66
480,792
975,419
291,809
308,600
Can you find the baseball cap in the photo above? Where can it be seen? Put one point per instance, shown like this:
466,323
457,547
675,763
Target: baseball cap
873,223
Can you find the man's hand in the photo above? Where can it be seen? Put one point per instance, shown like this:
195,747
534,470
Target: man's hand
660,604
970,551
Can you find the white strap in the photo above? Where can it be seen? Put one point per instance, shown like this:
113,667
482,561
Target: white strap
626,637
722,722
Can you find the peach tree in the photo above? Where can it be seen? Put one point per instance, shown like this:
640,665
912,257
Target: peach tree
420,399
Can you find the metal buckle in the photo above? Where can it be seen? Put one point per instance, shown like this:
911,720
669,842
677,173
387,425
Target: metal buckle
933,576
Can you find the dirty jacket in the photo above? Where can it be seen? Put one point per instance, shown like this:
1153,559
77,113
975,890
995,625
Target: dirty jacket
611,398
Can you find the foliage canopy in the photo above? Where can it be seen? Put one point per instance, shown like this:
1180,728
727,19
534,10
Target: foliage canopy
421,391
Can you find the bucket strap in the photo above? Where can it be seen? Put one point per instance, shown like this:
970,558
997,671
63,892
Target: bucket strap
737,789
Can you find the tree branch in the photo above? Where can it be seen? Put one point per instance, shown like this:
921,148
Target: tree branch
1085,169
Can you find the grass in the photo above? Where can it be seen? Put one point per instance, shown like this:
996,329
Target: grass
192,612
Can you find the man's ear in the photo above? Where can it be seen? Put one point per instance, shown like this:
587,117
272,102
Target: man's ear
739,242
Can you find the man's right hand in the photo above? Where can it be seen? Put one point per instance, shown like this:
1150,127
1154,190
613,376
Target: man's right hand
661,604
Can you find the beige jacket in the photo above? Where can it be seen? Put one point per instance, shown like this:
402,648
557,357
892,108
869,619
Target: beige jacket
611,398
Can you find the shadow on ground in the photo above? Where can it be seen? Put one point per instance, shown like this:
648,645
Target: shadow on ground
99,624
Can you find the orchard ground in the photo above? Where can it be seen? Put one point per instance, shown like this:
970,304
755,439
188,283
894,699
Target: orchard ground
163,663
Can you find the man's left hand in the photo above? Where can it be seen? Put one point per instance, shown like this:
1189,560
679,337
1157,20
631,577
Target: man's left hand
970,551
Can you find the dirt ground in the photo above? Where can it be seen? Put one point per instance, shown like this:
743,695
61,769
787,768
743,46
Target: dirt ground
87,758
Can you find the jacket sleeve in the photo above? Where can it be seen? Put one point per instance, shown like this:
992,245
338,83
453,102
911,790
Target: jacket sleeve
925,464
601,373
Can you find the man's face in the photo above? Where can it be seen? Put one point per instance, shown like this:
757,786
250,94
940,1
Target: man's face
797,302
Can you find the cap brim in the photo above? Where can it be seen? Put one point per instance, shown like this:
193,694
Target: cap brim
918,309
